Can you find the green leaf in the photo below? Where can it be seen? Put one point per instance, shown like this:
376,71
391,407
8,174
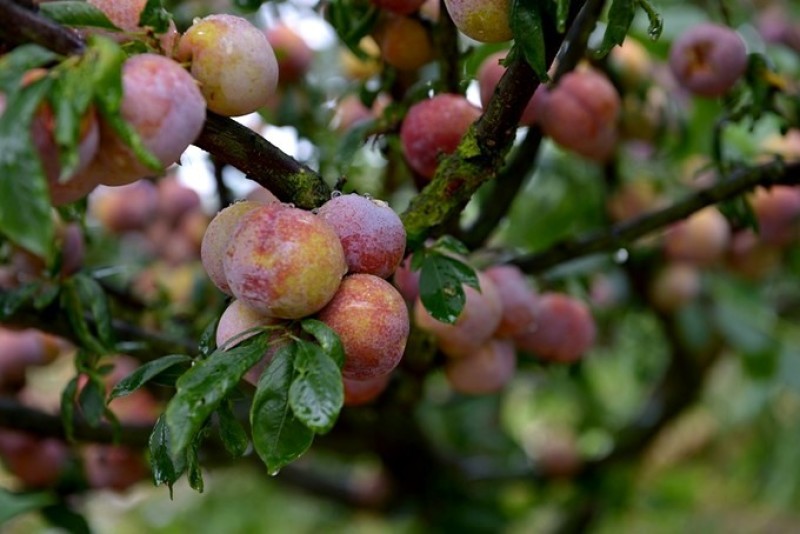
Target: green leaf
72,305
656,21
12,300
16,504
155,16
76,14
526,25
327,339
68,408
562,12
231,432
193,471
15,64
146,373
352,20
108,57
208,339
448,243
317,393
70,99
248,5
90,292
441,286
92,401
166,470
24,197
203,387
278,436
66,519
620,17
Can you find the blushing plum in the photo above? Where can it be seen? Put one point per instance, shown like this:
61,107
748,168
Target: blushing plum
372,234
292,52
708,59
477,323
581,113
371,319
405,43
486,370
486,21
360,392
36,462
125,208
701,239
233,61
407,281
778,213
565,329
674,286
435,126
284,262
114,467
517,298
175,199
215,241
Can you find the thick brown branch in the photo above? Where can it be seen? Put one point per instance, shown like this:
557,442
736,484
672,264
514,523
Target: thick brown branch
20,25
625,233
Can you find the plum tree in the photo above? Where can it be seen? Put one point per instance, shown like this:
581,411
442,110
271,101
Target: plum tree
233,61
489,74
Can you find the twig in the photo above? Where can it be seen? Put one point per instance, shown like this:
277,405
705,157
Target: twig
626,232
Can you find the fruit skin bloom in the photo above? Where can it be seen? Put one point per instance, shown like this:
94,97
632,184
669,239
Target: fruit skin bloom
233,61
708,59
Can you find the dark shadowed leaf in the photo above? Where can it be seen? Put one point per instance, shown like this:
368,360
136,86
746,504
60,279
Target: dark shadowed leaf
155,16
526,25
231,432
165,469
278,436
66,519
620,17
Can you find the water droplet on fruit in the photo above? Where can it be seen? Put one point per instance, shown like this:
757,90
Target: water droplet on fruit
621,255
367,196
335,194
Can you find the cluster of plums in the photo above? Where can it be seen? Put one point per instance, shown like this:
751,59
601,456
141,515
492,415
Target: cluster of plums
281,263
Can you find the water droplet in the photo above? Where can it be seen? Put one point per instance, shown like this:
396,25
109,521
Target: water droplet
336,193
290,205
621,255
274,472
367,196
315,211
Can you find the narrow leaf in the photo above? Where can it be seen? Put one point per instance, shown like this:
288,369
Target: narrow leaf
562,12
203,387
68,408
16,63
656,20
146,373
620,17
316,394
76,14
278,436
71,303
526,25
91,293
155,16
165,469
231,432
208,339
327,339
92,401
15,504
193,471
12,300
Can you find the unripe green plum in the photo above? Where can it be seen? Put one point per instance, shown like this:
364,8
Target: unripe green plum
434,127
405,43
565,329
486,370
489,74
372,234
708,59
162,103
360,392
478,321
371,319
233,61
216,238
517,299
701,239
284,262
581,113
486,21
292,52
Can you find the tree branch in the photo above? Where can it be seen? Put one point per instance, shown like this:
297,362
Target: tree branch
626,232
21,25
